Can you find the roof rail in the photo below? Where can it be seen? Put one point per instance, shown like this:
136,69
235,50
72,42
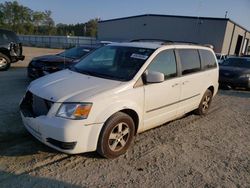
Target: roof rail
165,42
151,40
209,46
185,42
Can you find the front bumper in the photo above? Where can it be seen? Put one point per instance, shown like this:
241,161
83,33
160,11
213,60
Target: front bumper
34,72
17,58
22,57
68,136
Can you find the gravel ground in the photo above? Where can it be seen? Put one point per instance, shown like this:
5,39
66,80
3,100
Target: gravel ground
211,151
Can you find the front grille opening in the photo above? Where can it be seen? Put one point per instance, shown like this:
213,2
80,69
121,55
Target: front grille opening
62,145
34,106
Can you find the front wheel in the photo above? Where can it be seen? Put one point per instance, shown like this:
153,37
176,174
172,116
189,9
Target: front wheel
116,135
205,103
4,62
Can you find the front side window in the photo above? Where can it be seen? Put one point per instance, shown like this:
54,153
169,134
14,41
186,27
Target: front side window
165,63
190,61
207,59
114,62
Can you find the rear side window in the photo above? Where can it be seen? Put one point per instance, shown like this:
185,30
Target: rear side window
165,63
190,61
207,59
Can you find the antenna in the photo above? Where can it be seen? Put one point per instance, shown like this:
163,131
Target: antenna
199,21
226,14
199,7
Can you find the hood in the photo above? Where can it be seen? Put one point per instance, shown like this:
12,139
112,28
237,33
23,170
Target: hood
53,59
69,86
236,70
232,72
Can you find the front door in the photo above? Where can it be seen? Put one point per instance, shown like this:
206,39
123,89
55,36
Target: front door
161,99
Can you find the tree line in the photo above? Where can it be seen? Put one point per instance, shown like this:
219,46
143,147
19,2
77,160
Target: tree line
23,20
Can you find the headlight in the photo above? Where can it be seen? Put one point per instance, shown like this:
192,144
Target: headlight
74,110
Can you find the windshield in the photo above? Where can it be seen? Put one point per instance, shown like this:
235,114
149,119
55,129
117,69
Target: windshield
237,62
75,53
114,62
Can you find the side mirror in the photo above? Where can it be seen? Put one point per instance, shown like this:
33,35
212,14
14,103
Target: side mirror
154,77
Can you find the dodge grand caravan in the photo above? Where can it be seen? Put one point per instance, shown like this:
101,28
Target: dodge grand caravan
117,91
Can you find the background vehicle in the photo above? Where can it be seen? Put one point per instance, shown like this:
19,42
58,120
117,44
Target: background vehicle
235,72
10,49
43,65
117,91
246,55
220,57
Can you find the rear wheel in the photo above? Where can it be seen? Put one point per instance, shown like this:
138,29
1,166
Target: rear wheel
4,62
205,103
116,135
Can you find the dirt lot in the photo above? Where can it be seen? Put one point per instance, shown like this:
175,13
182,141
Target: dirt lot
212,151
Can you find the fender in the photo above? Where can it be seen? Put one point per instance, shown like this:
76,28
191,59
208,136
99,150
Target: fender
118,106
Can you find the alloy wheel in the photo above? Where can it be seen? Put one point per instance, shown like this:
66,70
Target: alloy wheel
3,62
205,103
119,136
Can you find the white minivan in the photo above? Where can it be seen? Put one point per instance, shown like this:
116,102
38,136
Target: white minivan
117,91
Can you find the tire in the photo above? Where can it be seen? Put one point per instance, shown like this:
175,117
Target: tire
4,62
205,103
116,135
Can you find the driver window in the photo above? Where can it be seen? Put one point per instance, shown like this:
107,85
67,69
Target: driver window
165,63
107,57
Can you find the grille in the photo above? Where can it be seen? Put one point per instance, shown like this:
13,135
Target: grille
34,106
16,49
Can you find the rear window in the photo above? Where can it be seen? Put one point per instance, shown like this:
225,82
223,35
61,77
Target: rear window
207,59
190,61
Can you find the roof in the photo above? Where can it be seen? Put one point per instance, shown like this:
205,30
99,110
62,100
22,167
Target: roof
176,16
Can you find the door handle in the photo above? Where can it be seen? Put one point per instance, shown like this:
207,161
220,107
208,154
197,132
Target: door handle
185,82
174,85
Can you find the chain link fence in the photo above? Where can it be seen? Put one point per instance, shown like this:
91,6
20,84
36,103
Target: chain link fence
57,41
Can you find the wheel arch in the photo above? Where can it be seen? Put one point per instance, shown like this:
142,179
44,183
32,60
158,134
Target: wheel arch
5,52
129,107
133,114
211,88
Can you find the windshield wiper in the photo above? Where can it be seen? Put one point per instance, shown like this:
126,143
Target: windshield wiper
101,75
68,57
85,72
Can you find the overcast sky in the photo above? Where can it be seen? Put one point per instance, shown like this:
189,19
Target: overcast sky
79,11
